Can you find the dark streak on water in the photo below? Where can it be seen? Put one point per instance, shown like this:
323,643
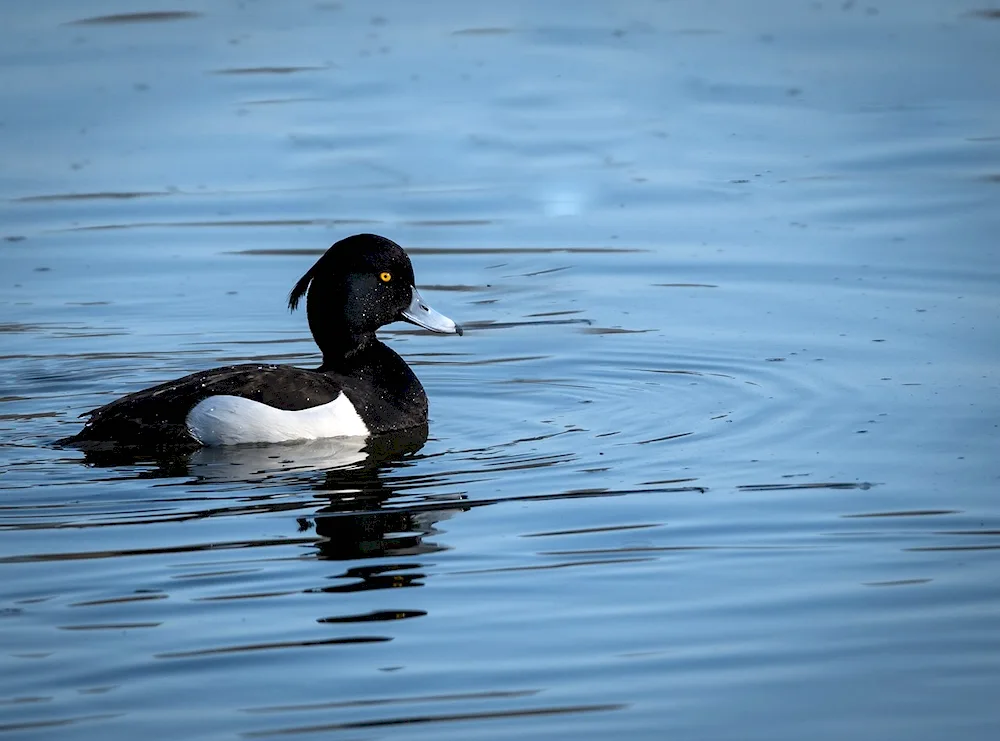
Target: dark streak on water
88,197
267,70
148,17
441,718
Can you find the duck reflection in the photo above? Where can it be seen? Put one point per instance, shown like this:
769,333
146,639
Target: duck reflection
356,524
351,476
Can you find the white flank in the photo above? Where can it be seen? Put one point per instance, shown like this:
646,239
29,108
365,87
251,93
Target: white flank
232,420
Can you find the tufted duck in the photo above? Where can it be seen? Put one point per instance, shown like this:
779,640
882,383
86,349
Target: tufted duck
362,388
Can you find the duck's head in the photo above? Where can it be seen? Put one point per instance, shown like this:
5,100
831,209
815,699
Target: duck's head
362,283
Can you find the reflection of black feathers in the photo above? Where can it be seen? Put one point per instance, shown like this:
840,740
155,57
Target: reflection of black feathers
300,289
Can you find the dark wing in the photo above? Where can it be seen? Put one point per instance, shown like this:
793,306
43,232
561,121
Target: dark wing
158,415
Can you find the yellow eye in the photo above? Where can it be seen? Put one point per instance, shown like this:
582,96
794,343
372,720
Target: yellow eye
385,277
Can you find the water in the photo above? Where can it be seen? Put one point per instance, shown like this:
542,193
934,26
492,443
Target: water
716,457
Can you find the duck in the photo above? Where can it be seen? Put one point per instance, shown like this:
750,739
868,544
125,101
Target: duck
363,388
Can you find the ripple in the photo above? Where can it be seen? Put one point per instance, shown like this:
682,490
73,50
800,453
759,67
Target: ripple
253,647
150,551
146,17
378,616
111,626
862,485
214,224
440,718
30,725
483,31
97,196
266,70
402,700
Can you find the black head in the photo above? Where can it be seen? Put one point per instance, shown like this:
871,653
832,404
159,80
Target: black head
362,283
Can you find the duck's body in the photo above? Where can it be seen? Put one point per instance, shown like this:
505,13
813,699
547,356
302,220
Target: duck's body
266,404
363,387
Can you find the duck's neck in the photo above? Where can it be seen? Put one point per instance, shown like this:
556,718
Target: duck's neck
344,353
370,367
374,363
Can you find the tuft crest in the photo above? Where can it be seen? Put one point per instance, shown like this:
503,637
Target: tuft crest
300,289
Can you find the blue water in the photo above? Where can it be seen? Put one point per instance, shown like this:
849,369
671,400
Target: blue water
716,457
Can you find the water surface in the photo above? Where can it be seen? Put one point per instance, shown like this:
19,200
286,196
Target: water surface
714,459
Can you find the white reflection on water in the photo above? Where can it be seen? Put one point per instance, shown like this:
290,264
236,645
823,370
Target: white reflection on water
249,463
563,200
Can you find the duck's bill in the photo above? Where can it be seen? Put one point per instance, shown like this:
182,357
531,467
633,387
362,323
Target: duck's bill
419,313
